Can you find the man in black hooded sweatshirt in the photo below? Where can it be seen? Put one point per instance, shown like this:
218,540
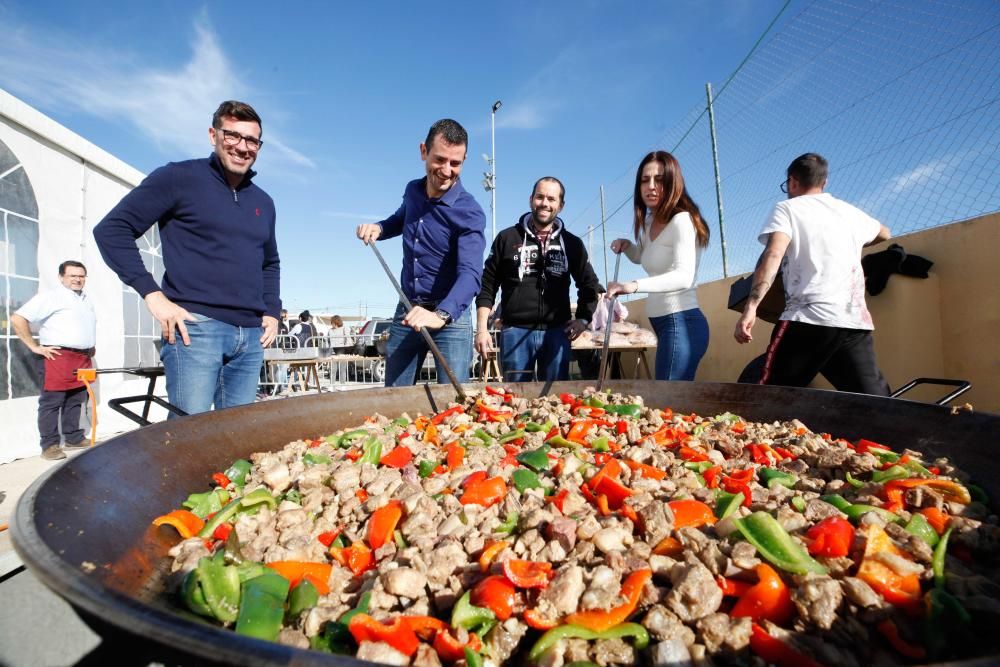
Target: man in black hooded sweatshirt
532,264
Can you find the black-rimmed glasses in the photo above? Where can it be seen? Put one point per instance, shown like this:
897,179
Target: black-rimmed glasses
784,186
233,138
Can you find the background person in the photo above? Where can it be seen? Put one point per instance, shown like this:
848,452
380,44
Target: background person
66,338
220,287
531,264
670,236
816,241
442,228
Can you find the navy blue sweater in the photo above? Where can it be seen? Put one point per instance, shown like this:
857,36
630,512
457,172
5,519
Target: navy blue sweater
219,250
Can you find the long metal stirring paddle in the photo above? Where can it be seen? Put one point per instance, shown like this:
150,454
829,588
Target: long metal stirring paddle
423,330
607,329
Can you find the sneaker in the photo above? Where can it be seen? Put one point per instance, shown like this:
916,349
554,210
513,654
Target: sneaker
76,446
53,453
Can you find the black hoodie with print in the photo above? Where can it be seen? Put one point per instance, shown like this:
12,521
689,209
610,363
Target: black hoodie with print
534,284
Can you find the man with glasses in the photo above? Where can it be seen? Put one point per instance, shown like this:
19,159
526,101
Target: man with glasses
219,303
816,240
66,337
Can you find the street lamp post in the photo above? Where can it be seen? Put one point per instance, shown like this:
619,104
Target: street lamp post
490,177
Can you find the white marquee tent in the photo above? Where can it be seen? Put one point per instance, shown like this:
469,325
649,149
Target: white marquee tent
54,188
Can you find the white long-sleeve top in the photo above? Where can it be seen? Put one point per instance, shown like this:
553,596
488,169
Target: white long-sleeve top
671,260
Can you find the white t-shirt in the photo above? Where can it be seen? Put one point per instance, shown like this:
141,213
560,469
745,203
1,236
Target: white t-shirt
65,318
671,260
821,269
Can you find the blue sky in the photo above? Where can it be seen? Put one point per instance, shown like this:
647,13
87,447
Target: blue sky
348,90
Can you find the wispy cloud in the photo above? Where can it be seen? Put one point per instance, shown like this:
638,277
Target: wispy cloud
522,115
170,106
918,176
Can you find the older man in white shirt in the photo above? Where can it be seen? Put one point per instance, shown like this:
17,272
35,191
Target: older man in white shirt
66,337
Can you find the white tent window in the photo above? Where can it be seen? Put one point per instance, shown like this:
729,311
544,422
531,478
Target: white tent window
141,330
18,273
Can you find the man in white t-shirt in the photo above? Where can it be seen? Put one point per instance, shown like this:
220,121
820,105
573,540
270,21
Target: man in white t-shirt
66,338
825,328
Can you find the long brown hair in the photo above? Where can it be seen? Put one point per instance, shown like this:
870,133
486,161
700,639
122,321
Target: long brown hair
675,197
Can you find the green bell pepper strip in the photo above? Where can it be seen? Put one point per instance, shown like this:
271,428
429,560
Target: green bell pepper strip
347,439
371,451
536,459
255,497
946,622
473,658
856,483
773,543
632,630
978,494
937,562
727,503
728,418
525,479
560,441
262,606
917,469
535,427
294,495
919,526
699,429
594,402
249,569
512,435
397,537
203,504
884,455
340,542
698,466
314,459
772,477
220,588
483,435
855,510
508,525
798,503
193,596
624,410
237,473
304,596
427,467
335,636
466,615
600,444
888,475
401,421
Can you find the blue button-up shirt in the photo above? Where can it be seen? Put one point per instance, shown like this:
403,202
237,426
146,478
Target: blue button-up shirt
443,243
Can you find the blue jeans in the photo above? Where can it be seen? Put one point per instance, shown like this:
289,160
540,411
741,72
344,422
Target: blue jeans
406,350
220,366
682,339
522,349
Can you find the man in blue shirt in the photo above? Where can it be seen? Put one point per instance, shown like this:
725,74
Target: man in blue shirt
442,227
219,302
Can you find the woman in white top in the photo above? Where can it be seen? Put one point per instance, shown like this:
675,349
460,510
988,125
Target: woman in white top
670,236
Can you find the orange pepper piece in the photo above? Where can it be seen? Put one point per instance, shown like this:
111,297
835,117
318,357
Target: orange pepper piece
485,492
668,546
455,455
187,523
768,599
936,518
528,573
497,594
600,620
647,471
690,513
383,522
491,551
295,571
397,634
397,458
897,589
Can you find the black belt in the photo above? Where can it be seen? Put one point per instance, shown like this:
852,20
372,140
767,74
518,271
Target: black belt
72,349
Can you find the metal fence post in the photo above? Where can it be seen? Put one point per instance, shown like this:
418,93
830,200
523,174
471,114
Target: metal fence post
604,238
718,180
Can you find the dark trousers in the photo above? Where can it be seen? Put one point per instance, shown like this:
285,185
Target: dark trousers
846,357
51,404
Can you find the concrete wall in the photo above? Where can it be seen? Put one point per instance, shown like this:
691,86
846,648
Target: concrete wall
945,326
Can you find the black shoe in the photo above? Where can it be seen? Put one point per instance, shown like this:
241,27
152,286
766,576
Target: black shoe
53,453
77,446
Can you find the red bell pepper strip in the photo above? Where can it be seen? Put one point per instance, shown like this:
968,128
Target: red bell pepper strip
455,455
900,590
327,538
732,588
477,476
511,458
222,531
353,454
449,649
692,455
491,414
601,458
361,495
425,627
669,436
441,416
621,427
712,476
528,573
888,629
691,513
570,400
777,652
784,453
953,490
397,634
600,620
936,518
490,552
611,469
768,599
399,457
534,619
738,427
187,523
357,558
497,594
383,522
507,396
647,471
295,571
865,446
613,490
486,492
221,480
832,537
559,499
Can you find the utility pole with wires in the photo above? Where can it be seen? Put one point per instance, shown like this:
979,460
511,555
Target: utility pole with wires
604,238
490,177
718,180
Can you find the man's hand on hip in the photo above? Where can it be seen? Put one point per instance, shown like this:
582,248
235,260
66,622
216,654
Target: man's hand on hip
170,316
574,328
270,325
50,352
369,233
420,317
484,344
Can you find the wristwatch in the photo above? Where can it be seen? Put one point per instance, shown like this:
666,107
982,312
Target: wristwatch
444,316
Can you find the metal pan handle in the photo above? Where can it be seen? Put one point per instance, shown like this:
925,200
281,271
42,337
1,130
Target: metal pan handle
962,387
